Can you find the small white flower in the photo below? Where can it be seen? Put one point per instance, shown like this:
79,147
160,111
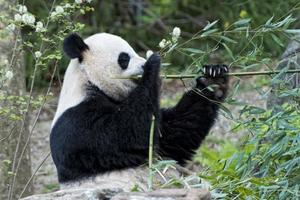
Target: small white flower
174,39
6,62
18,17
38,54
162,43
22,9
39,27
67,5
53,14
149,53
89,1
11,27
59,9
9,75
176,32
28,19
79,1
31,19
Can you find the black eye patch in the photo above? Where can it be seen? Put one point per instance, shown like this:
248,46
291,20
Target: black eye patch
123,60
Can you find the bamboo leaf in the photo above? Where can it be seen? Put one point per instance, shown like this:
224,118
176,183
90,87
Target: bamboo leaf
292,31
227,39
228,51
284,21
242,22
172,48
277,40
209,25
242,28
193,50
207,33
269,21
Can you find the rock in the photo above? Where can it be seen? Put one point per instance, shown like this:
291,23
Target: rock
166,194
118,194
78,194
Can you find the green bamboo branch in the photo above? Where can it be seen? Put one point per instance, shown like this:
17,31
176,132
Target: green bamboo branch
150,182
186,76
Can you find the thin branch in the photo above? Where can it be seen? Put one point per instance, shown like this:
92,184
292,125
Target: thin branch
34,173
36,119
10,133
15,157
256,73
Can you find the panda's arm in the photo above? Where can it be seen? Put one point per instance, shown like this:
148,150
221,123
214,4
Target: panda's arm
124,133
128,128
184,126
143,102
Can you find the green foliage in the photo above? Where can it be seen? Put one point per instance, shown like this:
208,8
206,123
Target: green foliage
143,26
266,164
243,45
58,22
37,37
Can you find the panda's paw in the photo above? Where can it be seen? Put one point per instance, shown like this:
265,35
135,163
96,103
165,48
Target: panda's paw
152,67
153,62
214,82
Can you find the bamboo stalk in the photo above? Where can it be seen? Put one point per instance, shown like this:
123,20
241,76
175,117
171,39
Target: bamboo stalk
255,73
150,184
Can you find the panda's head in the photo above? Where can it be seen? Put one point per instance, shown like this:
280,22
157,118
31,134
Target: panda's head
101,58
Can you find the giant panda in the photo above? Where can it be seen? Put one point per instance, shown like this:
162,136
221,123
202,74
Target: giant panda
102,124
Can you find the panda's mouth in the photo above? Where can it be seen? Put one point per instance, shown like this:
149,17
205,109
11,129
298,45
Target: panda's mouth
136,80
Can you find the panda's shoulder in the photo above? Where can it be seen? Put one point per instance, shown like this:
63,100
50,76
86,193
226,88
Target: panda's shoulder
89,107
96,104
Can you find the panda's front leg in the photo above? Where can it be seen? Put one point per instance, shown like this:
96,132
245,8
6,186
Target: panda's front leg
135,113
184,126
150,82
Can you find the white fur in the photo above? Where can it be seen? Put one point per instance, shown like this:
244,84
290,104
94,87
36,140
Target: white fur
72,92
100,66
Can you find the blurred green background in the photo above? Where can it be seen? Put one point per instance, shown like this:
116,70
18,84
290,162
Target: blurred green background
143,23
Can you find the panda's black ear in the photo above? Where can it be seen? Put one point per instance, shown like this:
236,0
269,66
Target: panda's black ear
74,46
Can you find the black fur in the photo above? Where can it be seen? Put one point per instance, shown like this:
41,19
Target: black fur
101,135
74,46
184,126
123,60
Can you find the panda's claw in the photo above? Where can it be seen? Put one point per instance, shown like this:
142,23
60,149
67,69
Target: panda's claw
225,68
214,76
214,70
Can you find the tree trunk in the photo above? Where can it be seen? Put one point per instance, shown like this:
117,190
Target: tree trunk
11,132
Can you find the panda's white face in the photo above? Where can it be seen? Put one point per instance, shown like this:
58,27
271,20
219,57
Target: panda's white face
108,57
98,59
